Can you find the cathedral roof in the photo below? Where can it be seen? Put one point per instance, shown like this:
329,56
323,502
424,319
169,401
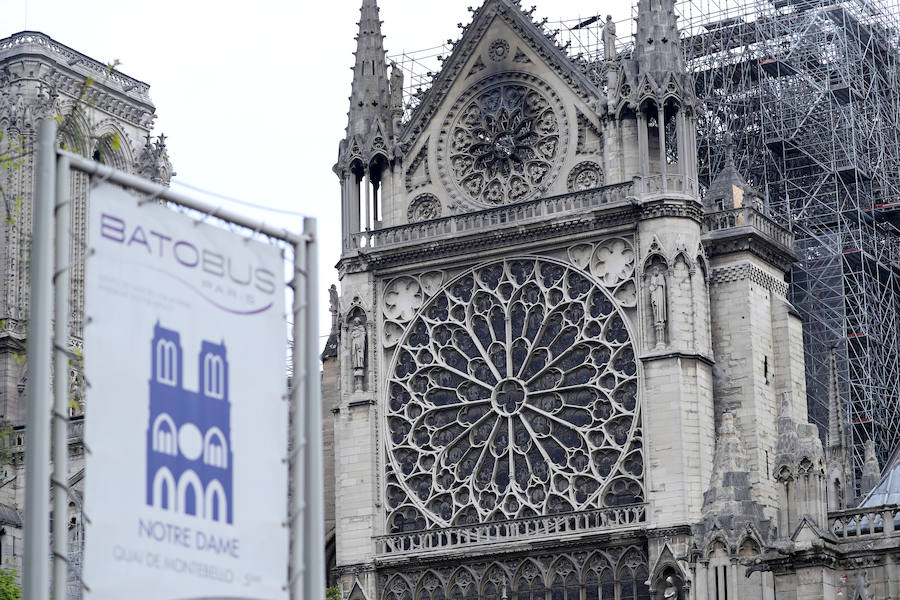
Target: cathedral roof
370,98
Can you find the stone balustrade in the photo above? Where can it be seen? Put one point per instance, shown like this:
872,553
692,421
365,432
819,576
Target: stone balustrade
555,527
865,523
492,218
658,184
747,217
64,54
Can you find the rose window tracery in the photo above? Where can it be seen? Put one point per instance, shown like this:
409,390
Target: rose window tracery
504,143
513,393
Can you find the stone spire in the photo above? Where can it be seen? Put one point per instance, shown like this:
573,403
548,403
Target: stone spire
871,472
729,487
840,474
836,436
657,46
729,189
370,97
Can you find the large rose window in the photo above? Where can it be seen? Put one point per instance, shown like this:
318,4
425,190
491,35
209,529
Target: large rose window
504,143
513,393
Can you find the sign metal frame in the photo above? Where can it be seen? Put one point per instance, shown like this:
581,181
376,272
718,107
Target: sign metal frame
49,327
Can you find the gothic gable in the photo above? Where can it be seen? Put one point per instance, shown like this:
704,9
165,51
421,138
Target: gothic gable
468,58
504,118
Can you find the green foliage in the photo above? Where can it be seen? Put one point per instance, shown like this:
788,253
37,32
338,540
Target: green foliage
332,593
9,590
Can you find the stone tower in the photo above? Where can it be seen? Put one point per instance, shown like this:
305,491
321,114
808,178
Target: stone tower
560,372
103,114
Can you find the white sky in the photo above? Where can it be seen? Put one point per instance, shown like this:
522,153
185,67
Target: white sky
253,96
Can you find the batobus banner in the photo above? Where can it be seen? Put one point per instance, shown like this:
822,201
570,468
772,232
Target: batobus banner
186,419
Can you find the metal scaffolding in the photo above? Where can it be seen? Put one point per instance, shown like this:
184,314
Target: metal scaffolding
810,91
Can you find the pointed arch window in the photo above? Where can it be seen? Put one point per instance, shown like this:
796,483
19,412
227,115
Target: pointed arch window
565,587
533,589
163,490
600,585
214,376
458,593
215,502
166,363
190,494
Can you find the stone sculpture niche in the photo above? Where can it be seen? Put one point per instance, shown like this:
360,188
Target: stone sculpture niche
357,335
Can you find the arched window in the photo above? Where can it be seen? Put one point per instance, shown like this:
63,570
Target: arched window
213,376
190,494
632,576
215,504
397,589
163,490
627,589
166,365
565,587
530,585
215,448
430,588
719,569
599,583
490,591
163,435
459,593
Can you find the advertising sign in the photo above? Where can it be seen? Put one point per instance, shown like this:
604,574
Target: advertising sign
186,421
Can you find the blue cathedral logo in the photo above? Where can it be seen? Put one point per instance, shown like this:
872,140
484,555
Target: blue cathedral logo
189,459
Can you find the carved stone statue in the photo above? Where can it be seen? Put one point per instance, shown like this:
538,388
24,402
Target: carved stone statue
333,306
657,288
396,87
609,39
357,351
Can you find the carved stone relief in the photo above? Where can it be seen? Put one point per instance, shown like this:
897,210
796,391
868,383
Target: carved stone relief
424,208
585,176
612,262
417,174
402,298
521,57
590,140
478,67
498,50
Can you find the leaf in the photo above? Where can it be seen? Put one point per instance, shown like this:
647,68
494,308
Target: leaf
115,143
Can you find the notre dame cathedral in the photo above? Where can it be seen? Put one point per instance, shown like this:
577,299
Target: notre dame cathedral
559,369
103,114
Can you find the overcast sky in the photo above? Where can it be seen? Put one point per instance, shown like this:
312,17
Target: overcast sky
253,96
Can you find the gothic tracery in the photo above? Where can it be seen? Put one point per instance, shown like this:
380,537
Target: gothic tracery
513,393
504,142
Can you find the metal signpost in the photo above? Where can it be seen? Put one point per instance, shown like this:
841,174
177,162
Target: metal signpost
304,573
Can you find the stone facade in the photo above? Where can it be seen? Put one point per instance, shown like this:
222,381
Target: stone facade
554,370
103,114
